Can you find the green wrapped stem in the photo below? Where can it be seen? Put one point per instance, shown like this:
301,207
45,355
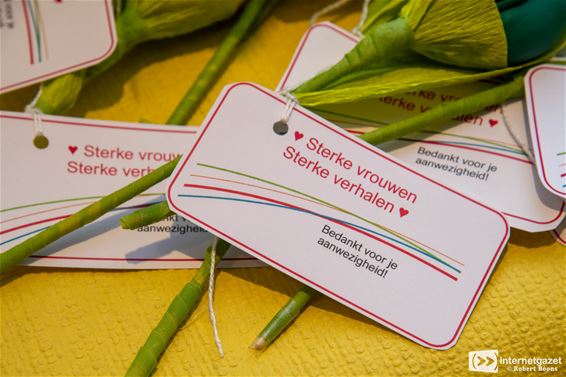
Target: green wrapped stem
438,114
284,317
382,42
445,112
248,20
16,254
146,216
181,307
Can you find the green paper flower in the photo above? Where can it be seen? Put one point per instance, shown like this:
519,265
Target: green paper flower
435,43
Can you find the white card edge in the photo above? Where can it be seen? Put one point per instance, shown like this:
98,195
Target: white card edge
533,126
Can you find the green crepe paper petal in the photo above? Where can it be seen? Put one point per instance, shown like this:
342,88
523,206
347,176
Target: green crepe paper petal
465,33
414,73
164,19
59,95
145,20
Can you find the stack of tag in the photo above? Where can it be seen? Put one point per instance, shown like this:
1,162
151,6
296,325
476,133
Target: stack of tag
406,234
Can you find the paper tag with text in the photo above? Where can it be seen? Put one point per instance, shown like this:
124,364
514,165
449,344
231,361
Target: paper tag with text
87,159
47,38
339,215
477,156
545,89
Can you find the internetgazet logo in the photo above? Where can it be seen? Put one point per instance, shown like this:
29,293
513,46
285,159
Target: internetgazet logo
483,361
488,361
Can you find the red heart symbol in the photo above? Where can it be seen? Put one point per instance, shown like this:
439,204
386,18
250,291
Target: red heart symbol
492,122
298,135
403,211
72,149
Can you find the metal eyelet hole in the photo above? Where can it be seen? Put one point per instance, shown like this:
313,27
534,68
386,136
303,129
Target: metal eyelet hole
280,127
40,141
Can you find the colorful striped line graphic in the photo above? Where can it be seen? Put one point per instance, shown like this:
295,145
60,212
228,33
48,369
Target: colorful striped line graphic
395,239
561,165
35,29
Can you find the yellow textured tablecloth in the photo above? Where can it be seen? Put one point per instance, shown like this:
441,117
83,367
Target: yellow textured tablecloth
85,322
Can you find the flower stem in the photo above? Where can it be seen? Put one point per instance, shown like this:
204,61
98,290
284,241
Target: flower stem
437,115
181,307
16,254
283,318
146,216
247,21
444,112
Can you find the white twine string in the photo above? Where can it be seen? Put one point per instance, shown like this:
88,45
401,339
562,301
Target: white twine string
36,113
37,123
211,297
357,31
289,106
528,151
337,4
327,9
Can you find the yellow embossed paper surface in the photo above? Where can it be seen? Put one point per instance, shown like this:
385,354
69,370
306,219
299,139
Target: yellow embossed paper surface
91,323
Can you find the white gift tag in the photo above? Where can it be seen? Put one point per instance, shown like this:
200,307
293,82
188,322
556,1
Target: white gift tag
339,215
47,38
87,159
545,89
478,156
